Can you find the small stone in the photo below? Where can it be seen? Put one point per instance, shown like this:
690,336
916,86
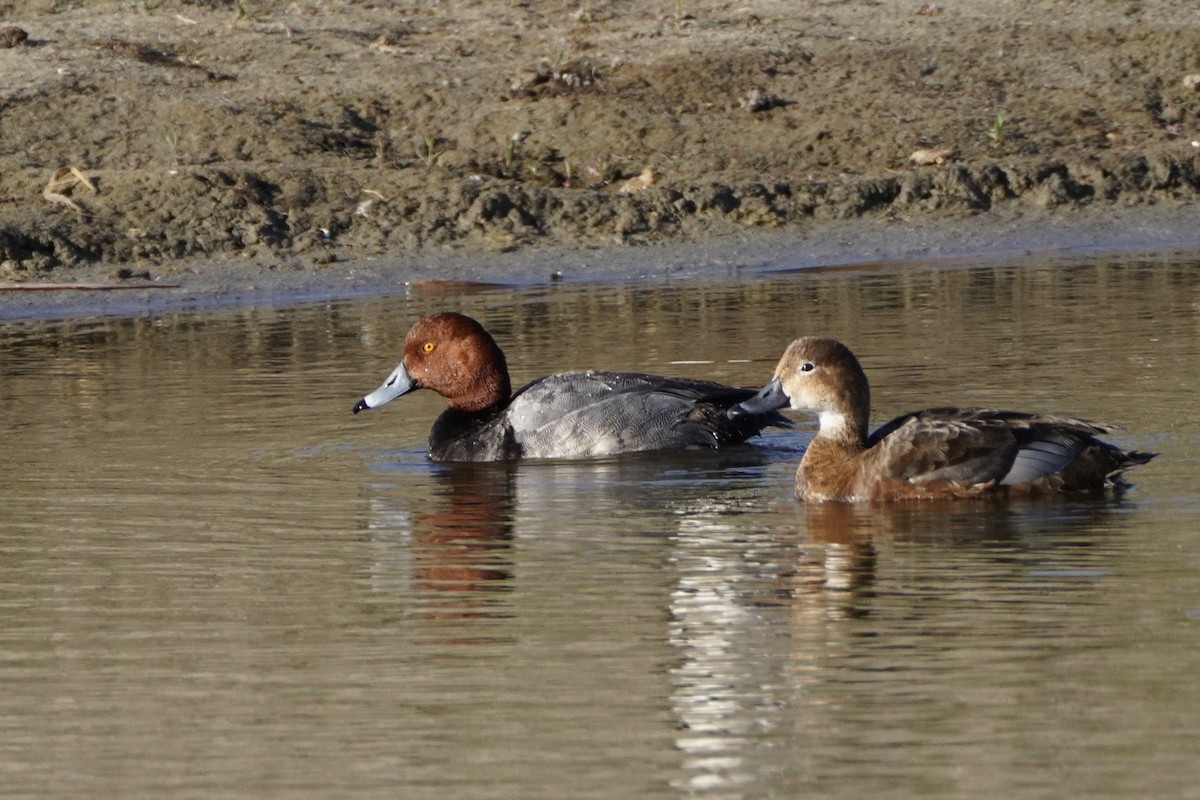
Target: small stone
758,99
1192,81
390,40
643,181
126,273
12,36
930,155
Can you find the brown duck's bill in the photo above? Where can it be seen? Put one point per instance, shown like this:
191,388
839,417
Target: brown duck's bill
397,384
769,398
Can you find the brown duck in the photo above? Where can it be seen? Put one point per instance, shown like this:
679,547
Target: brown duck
933,453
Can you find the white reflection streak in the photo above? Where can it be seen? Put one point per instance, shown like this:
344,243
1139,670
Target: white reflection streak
390,527
840,570
716,712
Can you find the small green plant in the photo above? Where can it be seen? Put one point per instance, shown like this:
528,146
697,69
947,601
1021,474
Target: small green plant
385,149
568,173
173,140
997,132
243,10
510,153
428,152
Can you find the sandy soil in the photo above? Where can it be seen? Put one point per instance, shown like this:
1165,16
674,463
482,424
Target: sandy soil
315,133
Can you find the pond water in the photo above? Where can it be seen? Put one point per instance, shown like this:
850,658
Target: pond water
217,582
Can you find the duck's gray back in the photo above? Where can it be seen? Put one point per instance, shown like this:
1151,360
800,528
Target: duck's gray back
602,413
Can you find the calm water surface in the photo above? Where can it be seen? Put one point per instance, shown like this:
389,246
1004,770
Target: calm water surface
217,582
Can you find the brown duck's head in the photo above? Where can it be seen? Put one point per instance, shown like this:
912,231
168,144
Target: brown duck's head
820,375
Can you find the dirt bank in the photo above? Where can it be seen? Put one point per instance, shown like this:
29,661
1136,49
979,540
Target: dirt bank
308,133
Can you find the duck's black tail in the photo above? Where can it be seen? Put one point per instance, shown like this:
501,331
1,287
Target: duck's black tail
711,425
1128,459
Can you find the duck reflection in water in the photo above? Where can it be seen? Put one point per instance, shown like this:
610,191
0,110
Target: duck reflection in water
772,624
839,543
453,550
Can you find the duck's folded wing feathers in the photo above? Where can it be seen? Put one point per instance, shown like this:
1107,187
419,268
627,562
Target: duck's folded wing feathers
974,445
1015,420
924,450
1045,453
594,413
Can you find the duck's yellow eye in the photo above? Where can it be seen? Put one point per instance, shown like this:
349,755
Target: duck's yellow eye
428,347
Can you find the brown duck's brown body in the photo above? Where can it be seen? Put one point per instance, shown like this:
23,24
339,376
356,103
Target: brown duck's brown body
936,452
965,453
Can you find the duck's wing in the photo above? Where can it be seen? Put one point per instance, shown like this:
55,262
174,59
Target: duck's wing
601,413
923,448
1054,445
976,446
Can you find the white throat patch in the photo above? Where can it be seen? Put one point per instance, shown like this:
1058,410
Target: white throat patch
832,423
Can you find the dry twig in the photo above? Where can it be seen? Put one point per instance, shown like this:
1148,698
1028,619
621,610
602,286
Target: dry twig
62,182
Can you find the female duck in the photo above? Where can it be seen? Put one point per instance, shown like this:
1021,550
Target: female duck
937,452
560,416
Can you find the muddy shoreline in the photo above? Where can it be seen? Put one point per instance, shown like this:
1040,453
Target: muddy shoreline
1089,234
308,146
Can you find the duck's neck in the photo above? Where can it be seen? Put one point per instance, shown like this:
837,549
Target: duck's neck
844,415
829,468
489,389
487,383
843,428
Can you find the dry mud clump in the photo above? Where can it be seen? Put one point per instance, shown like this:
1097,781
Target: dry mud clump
315,131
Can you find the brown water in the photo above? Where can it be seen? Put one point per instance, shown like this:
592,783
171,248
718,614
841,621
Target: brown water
217,582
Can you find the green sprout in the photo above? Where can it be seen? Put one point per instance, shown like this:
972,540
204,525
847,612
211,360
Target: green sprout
510,153
997,131
428,151
173,141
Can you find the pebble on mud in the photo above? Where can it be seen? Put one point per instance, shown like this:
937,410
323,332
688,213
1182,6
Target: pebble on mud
390,40
125,274
1191,82
12,36
759,99
643,181
927,156
573,75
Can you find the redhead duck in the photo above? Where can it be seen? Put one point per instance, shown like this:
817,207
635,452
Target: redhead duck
569,415
937,452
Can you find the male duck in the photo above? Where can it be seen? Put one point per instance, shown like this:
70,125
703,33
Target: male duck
937,452
570,415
